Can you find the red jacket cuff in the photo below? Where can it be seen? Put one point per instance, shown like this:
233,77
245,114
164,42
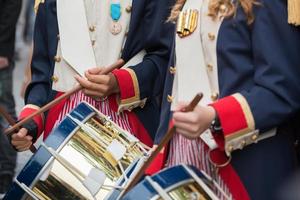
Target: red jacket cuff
129,97
39,119
128,84
237,123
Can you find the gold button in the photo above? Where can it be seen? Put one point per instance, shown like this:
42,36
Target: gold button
214,96
54,79
142,105
230,148
130,108
209,67
172,70
211,36
57,59
223,8
243,143
128,9
92,28
170,99
254,137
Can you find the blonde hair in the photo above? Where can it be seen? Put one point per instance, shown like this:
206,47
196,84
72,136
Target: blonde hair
215,6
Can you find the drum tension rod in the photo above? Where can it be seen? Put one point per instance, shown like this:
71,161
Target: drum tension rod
28,190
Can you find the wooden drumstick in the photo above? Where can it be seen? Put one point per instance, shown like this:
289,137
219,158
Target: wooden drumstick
106,70
12,122
164,141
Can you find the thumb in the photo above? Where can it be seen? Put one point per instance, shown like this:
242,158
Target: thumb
22,133
96,70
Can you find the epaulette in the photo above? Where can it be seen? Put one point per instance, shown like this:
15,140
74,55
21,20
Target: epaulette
294,12
36,4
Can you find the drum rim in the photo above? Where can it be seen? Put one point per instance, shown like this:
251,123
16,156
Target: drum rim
170,186
91,111
33,162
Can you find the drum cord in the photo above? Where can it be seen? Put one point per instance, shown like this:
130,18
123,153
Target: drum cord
95,136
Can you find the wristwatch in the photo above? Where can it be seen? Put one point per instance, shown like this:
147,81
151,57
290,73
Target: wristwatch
215,126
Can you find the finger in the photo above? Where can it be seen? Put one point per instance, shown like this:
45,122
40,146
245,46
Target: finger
180,106
23,132
189,117
20,135
93,93
95,70
25,145
191,128
186,134
86,84
20,143
24,149
17,139
100,79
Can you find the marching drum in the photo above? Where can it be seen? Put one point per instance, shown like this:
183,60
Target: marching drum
177,183
86,157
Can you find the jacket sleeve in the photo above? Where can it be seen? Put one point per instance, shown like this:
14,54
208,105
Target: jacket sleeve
8,19
274,97
37,92
145,80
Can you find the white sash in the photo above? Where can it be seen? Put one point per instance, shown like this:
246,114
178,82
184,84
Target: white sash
191,76
76,46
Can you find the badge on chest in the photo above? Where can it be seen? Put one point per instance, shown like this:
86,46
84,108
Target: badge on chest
115,13
187,22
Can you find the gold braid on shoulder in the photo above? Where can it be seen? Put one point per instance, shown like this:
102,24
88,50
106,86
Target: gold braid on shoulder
176,10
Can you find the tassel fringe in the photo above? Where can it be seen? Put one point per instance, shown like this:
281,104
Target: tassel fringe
294,12
36,4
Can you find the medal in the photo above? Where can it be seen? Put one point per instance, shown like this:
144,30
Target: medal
115,28
115,13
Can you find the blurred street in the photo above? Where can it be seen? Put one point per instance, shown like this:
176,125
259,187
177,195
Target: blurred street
22,50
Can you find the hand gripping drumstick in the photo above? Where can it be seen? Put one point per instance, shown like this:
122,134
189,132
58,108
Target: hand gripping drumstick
106,70
12,122
164,141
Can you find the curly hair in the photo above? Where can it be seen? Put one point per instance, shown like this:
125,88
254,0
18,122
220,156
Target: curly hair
215,7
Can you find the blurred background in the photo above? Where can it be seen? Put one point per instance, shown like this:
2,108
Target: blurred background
24,35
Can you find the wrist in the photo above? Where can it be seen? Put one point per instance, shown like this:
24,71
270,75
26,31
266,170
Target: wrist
211,113
215,126
114,84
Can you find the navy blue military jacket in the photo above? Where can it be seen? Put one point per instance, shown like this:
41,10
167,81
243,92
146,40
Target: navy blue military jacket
261,63
147,30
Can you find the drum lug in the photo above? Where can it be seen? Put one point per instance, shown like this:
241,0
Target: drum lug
28,190
200,182
162,193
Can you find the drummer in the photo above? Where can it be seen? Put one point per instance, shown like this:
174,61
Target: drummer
244,57
131,30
